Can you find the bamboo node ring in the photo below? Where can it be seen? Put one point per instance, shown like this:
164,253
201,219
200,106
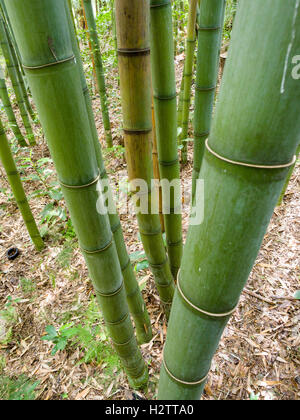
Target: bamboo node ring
123,344
126,265
108,245
209,28
137,132
132,52
202,311
204,134
165,98
158,266
250,165
118,322
81,186
180,381
169,163
110,294
205,88
49,64
152,6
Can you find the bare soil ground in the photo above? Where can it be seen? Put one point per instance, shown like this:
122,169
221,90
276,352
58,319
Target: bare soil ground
258,354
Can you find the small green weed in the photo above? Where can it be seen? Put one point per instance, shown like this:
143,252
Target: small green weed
20,388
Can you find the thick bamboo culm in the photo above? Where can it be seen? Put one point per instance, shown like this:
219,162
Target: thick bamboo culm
99,69
188,77
256,123
132,19
11,68
135,300
164,94
9,111
7,160
57,91
209,41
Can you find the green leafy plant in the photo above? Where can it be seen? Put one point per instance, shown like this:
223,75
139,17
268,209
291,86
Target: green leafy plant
90,336
21,388
27,285
139,258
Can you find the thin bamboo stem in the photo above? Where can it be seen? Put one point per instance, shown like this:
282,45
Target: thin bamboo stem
85,26
19,74
14,180
209,42
9,111
11,68
156,171
99,69
188,76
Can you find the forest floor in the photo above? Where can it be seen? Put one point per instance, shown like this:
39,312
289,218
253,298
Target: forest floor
258,356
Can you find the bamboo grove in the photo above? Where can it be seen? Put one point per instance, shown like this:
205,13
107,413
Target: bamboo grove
245,139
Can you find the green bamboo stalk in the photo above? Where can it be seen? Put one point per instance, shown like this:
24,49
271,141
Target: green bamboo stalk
72,18
135,300
256,122
113,24
280,200
57,91
180,106
209,41
9,111
7,160
99,69
19,74
156,172
3,8
164,93
11,68
188,76
175,26
132,19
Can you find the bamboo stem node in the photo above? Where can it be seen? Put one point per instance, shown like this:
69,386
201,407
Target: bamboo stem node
153,6
105,248
137,132
202,311
204,134
80,186
179,380
171,163
131,52
123,344
215,28
204,88
125,266
250,165
166,98
42,66
110,294
118,322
